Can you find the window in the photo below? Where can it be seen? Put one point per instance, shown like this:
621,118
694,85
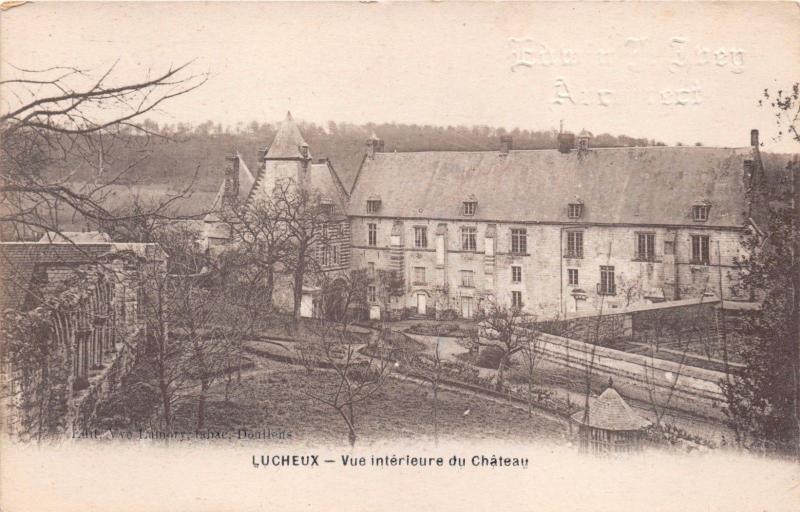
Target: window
572,276
607,284
645,246
420,236
516,274
700,212
574,244
468,239
699,248
519,241
335,254
516,299
325,253
372,234
371,268
371,293
419,275
470,207
373,205
467,280
575,210
327,209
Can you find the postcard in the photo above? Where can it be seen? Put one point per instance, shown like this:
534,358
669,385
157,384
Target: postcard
368,256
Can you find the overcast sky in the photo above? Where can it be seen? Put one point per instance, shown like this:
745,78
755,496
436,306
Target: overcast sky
673,72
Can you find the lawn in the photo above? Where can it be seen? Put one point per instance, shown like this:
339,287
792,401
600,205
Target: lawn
273,396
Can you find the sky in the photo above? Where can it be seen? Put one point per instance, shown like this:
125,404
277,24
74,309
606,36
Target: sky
674,72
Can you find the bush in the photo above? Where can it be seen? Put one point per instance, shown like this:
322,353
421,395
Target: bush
364,372
448,314
489,357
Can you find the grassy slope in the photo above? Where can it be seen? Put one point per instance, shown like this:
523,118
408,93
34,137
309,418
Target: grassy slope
273,397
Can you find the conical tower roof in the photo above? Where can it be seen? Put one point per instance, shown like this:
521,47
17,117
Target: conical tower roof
287,141
611,412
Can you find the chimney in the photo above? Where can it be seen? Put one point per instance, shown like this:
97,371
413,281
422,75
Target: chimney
374,145
231,180
506,144
754,138
583,141
566,141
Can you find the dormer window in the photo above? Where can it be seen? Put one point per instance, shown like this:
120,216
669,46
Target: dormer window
470,206
327,207
373,205
700,212
575,210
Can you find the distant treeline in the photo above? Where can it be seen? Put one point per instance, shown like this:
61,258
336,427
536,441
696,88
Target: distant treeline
174,153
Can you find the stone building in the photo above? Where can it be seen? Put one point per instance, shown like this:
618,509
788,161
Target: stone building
555,232
287,158
561,231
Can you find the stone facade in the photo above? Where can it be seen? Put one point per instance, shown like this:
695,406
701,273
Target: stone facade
544,278
551,264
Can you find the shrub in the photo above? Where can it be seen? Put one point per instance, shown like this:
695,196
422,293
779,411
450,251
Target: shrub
364,372
489,357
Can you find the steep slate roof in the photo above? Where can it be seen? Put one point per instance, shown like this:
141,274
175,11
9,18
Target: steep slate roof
322,179
287,141
643,185
610,412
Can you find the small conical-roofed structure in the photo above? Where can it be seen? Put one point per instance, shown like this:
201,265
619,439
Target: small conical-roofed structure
288,142
611,425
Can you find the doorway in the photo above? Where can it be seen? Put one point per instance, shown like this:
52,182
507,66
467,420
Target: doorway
422,304
467,307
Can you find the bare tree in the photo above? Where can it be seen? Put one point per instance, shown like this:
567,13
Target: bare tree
660,323
306,220
262,238
58,119
358,376
193,334
428,367
531,352
163,356
503,330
